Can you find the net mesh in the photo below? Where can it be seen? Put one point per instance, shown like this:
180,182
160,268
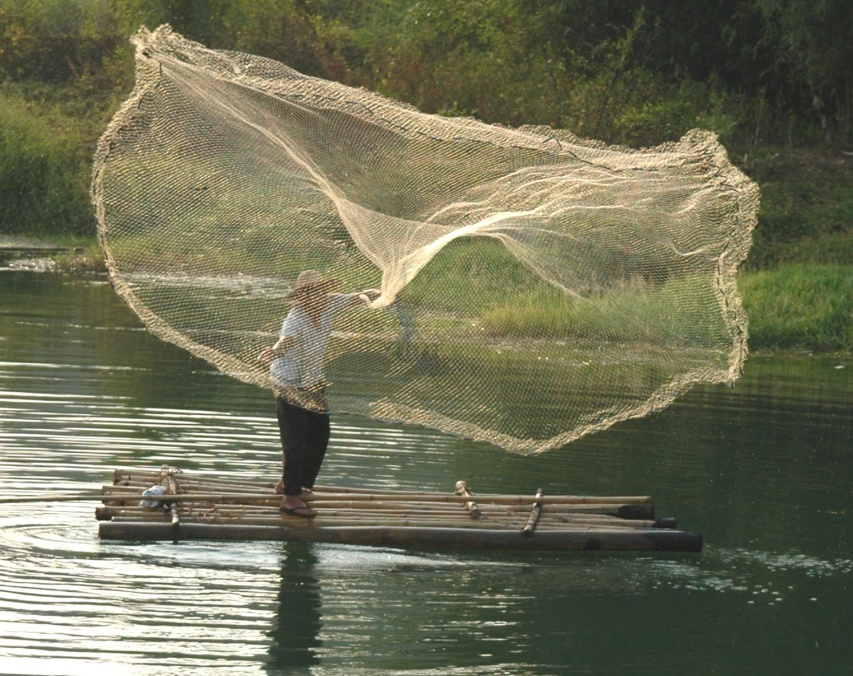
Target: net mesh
535,287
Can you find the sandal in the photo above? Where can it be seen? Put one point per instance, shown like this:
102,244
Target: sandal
303,511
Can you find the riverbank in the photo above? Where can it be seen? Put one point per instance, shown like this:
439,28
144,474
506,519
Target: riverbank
799,306
59,254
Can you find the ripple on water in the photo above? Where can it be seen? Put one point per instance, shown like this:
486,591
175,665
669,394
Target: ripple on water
793,561
66,596
760,577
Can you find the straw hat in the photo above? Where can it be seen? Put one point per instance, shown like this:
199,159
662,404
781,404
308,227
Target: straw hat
309,280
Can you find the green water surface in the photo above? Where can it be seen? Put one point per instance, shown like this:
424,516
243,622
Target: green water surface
761,470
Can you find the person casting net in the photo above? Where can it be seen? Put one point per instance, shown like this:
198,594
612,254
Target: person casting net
296,372
534,287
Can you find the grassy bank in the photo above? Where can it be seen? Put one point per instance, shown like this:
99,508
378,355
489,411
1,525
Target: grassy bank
800,306
794,306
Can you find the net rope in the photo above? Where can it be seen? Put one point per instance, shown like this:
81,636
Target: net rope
535,287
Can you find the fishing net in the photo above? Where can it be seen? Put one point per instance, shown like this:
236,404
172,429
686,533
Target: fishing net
535,287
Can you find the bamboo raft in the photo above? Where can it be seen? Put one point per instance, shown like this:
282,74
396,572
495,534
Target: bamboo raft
207,508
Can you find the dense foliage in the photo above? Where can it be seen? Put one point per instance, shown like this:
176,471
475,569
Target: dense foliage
771,77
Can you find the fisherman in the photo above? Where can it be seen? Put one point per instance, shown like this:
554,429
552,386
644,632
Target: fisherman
296,370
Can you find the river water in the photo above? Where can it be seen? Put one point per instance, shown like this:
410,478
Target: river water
763,471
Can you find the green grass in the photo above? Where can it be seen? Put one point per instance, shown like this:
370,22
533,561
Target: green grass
673,314
795,306
480,265
800,306
44,171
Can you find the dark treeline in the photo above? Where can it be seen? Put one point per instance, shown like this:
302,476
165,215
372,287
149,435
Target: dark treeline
761,73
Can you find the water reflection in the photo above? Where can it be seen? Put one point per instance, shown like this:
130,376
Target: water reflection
296,628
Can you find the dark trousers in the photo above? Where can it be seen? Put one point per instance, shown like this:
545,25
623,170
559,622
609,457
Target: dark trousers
304,438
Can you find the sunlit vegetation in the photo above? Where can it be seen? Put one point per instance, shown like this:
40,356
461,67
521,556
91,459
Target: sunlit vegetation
771,77
805,306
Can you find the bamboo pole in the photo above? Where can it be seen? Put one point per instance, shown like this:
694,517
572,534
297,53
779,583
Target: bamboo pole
243,516
585,523
642,511
208,484
343,521
588,540
498,499
336,492
238,512
402,497
191,485
244,513
610,511
53,497
319,521
144,478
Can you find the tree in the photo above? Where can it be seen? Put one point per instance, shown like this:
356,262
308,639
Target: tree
813,44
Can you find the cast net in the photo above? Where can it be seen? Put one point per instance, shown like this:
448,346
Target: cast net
536,287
